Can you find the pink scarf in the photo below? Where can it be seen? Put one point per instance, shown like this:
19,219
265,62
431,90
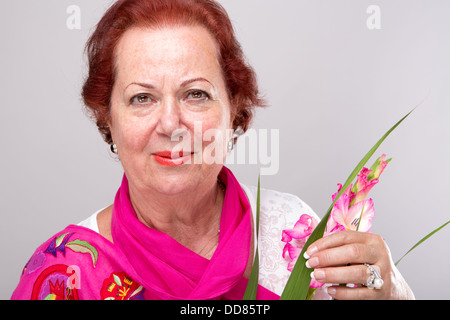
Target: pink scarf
143,263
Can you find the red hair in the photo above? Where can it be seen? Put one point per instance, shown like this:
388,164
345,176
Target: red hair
239,77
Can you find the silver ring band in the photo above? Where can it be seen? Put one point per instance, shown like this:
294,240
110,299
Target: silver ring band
374,281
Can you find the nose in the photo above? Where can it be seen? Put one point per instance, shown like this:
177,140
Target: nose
169,117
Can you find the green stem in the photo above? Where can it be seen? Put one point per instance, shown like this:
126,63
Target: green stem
311,293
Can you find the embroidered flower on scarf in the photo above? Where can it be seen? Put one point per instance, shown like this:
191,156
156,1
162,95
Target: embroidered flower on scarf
35,263
60,243
57,282
119,286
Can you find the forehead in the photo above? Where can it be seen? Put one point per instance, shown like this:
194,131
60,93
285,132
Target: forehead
177,49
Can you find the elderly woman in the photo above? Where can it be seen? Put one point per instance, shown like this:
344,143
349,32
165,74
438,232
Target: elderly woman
181,226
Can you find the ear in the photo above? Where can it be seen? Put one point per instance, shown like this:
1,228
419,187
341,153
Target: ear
232,118
110,127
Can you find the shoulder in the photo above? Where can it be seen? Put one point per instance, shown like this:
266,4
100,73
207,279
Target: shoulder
100,222
62,263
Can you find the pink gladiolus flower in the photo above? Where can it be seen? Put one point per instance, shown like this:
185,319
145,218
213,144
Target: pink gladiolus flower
295,241
349,192
302,229
357,217
378,167
292,255
367,179
363,185
352,211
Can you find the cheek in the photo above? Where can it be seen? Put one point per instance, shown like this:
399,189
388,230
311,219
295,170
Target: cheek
130,134
215,134
215,125
128,131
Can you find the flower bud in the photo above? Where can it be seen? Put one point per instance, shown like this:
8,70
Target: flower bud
378,167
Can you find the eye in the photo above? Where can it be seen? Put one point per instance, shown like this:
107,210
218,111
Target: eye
198,95
140,99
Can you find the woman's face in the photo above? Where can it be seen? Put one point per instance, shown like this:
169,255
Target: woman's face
170,112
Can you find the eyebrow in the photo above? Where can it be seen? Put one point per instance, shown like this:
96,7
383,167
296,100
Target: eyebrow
142,84
183,84
189,81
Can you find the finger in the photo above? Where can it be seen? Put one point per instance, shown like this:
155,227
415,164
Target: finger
356,274
355,253
358,293
339,239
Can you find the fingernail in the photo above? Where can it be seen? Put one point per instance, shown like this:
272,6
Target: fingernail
311,250
331,291
318,275
312,263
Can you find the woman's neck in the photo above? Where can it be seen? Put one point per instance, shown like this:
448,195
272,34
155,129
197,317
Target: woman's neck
190,218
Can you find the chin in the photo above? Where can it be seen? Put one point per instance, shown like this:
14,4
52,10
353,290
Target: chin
175,180
185,178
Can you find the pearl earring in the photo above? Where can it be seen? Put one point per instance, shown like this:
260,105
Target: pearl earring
114,148
237,133
230,145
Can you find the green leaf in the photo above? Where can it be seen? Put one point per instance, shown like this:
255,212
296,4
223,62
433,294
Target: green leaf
252,285
60,239
311,293
298,283
83,247
422,240
117,280
136,292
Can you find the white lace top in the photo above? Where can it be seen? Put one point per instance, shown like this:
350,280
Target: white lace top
278,211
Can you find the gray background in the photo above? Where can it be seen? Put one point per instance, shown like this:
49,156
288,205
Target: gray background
334,88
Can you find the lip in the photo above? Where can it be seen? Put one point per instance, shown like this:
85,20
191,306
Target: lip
169,159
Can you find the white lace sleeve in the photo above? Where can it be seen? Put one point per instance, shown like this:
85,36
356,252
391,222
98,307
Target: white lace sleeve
279,211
